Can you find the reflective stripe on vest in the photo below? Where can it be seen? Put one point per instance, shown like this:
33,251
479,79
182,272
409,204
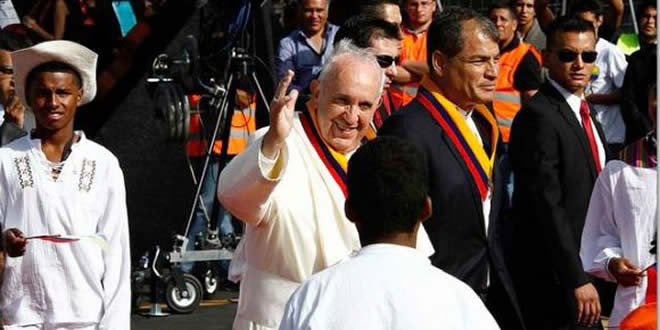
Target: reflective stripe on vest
507,101
243,124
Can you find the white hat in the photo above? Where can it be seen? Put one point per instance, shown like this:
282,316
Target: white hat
81,58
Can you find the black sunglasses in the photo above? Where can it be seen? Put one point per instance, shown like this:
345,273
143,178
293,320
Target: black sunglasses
568,56
385,61
6,69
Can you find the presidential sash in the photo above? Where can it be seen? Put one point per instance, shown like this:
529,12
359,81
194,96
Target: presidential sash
479,163
335,162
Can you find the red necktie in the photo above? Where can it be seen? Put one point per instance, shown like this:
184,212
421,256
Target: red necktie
586,124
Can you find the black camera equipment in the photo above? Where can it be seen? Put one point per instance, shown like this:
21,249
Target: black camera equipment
172,79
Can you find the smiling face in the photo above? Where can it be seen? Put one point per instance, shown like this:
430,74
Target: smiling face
347,99
315,15
388,47
468,78
54,98
573,75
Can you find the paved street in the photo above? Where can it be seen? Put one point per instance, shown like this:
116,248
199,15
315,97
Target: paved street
213,314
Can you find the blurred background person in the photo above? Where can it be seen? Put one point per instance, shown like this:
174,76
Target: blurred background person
528,26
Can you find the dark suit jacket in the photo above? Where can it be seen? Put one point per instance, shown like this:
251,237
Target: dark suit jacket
640,74
457,226
554,174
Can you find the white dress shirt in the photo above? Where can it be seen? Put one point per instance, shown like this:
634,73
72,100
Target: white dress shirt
473,127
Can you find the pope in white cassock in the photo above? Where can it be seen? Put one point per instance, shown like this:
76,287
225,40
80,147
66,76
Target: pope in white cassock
54,181
621,223
289,185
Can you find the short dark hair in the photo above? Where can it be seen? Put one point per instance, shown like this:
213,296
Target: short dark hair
587,6
374,8
361,29
565,24
387,186
446,32
52,66
646,4
502,5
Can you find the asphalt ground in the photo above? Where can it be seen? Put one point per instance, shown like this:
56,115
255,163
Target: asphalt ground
216,313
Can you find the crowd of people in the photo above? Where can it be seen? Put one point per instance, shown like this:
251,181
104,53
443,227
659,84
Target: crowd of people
424,167
519,116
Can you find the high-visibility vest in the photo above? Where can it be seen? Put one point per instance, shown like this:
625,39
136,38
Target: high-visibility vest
413,47
507,102
243,124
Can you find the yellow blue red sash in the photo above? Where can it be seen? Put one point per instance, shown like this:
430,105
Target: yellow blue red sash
334,161
445,113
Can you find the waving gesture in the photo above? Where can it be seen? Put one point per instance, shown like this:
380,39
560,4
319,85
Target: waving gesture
281,117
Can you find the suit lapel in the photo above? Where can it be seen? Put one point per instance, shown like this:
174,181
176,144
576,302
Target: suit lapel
569,116
476,198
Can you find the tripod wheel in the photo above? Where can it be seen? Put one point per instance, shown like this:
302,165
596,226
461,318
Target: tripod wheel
175,299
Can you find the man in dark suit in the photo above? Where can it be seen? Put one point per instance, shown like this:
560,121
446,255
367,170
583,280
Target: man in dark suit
557,151
447,120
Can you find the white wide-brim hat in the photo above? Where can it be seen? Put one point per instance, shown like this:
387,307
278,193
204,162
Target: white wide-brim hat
79,57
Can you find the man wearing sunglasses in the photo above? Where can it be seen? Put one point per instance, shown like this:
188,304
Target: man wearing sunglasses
382,39
16,121
557,149
604,91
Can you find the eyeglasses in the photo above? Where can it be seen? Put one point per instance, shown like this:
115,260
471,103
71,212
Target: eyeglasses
385,61
568,56
6,69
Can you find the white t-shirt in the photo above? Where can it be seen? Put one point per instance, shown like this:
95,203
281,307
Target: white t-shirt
611,67
385,286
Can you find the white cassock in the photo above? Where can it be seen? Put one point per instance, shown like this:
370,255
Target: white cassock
621,223
385,286
73,283
295,224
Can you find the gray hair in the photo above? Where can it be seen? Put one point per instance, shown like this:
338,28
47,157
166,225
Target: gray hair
346,48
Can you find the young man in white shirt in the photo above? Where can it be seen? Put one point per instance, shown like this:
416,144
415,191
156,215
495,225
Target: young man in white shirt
604,90
54,181
621,222
388,198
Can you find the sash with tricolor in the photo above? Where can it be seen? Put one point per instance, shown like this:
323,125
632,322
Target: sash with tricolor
335,162
445,113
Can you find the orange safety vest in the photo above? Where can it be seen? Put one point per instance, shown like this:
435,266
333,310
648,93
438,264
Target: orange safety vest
506,102
243,124
413,47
